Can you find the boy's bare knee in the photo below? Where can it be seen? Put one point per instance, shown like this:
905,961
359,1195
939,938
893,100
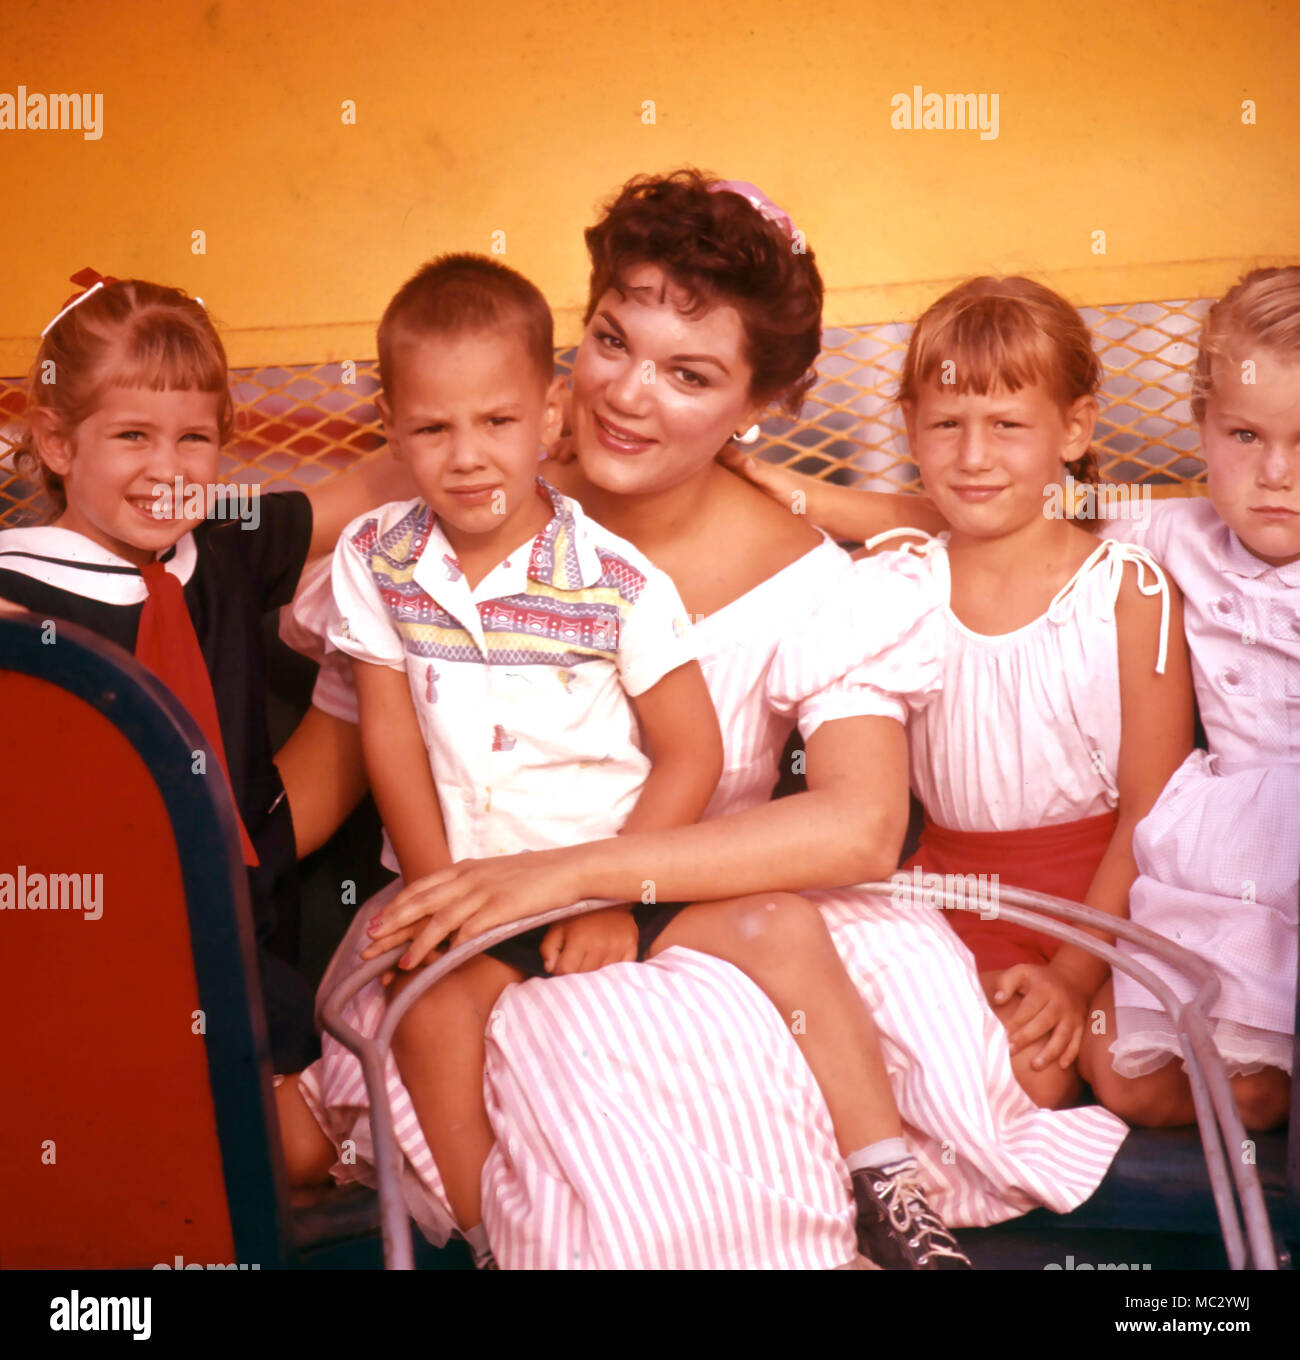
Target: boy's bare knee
427,1008
1263,1099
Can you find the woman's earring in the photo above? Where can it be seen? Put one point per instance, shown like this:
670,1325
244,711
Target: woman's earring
749,436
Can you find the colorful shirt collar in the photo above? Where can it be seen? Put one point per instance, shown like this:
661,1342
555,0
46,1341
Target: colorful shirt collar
563,555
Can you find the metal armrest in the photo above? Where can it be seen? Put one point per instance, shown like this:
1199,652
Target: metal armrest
1211,1089
338,988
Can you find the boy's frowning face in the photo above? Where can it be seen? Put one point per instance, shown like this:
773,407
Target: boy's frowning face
469,415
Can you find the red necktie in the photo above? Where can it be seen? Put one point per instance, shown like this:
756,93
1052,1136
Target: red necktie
166,644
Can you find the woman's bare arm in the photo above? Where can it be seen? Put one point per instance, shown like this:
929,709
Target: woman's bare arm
847,514
847,828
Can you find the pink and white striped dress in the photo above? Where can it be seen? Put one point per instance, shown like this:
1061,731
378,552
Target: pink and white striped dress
660,1114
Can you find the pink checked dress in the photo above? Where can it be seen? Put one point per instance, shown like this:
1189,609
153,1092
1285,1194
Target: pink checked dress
661,1114
1219,853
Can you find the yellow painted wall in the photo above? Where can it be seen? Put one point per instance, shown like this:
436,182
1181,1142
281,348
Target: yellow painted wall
521,117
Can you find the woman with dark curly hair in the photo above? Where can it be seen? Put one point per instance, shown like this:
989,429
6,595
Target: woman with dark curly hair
662,1115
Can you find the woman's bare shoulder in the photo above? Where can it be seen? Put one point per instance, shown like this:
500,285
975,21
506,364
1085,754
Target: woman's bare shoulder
766,532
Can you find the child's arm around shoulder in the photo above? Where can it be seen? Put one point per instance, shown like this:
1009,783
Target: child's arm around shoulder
847,514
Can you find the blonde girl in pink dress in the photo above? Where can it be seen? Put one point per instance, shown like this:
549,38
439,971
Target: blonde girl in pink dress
1219,854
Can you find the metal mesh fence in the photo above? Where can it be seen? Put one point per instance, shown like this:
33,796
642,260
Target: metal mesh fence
300,425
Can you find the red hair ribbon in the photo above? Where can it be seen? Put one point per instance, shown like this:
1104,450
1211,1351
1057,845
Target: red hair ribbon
91,281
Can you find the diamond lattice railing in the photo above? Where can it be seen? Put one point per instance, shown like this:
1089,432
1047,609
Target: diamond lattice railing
301,425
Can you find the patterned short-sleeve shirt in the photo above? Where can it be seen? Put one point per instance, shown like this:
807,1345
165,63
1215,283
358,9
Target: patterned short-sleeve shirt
521,685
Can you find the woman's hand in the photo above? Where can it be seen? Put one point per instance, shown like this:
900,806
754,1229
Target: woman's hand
584,943
470,897
1052,1005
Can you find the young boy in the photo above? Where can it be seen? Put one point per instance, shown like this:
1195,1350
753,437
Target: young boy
511,656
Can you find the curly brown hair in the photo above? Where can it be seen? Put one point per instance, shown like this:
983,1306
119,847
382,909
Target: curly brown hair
129,333
458,293
719,249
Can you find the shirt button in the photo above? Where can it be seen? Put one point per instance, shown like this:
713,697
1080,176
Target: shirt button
468,797
1222,604
1231,678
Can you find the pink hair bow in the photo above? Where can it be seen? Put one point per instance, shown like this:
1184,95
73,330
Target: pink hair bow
758,200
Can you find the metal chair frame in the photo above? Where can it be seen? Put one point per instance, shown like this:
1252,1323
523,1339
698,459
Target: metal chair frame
1247,1234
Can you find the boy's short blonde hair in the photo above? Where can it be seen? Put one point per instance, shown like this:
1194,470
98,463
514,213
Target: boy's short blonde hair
463,294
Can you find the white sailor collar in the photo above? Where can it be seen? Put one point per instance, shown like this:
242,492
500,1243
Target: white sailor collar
67,560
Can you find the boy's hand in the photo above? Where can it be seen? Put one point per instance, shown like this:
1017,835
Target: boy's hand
1052,1005
584,943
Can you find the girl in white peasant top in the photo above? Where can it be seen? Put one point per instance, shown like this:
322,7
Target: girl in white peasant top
1066,700
1218,855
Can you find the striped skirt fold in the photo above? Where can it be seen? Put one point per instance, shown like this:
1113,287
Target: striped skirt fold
661,1114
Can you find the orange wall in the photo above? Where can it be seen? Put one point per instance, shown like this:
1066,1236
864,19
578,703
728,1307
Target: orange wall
519,117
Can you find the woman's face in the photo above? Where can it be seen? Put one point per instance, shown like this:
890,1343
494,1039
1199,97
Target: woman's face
656,393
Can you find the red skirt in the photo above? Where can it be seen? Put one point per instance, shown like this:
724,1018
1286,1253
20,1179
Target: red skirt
1060,860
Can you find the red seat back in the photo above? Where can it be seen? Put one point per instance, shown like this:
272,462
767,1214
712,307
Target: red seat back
110,1146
